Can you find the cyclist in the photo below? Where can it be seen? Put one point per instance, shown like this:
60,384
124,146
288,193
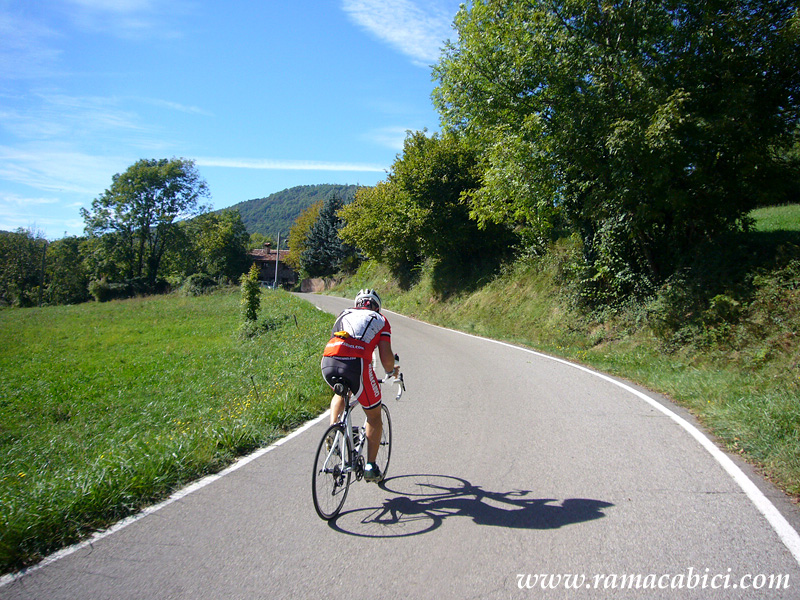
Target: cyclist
356,333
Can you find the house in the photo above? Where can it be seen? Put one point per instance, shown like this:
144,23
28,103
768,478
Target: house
265,259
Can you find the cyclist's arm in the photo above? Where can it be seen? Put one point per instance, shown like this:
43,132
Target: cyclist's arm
386,355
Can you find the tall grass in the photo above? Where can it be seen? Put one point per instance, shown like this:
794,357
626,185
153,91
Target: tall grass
105,408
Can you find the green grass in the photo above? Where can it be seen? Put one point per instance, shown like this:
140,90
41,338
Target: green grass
777,218
105,408
733,361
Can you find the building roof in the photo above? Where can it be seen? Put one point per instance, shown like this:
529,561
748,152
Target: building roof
267,254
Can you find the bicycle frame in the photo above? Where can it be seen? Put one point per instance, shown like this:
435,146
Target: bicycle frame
356,463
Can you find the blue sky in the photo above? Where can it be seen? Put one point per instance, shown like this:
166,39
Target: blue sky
263,95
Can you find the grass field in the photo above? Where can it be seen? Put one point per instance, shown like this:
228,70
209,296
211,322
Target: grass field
105,408
777,218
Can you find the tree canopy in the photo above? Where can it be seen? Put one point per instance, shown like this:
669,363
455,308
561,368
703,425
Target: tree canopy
135,220
650,126
325,253
298,234
420,213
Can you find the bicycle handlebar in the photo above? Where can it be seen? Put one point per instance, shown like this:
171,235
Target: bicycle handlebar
396,380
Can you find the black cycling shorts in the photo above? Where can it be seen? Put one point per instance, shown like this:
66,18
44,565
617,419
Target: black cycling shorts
359,376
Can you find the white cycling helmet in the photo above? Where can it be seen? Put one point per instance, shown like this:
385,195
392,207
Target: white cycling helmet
366,297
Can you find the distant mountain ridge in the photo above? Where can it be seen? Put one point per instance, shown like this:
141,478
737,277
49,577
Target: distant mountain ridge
278,212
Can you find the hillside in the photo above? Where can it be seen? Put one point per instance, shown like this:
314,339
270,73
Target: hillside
277,212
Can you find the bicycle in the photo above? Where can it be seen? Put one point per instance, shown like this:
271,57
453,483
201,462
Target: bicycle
340,454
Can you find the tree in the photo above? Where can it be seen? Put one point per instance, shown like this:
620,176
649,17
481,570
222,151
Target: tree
298,234
651,126
258,240
220,244
250,301
136,218
67,276
325,252
22,255
421,213
376,223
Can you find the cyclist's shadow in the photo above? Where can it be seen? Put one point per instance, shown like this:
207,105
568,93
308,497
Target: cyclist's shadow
420,503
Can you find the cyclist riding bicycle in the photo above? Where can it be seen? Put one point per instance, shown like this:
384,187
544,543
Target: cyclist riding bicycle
356,333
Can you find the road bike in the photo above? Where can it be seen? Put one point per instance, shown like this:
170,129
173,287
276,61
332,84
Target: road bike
342,449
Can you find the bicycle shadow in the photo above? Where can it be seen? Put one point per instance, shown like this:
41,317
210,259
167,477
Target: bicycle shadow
420,503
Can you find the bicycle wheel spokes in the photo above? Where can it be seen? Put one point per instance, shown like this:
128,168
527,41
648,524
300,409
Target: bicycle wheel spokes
330,479
385,450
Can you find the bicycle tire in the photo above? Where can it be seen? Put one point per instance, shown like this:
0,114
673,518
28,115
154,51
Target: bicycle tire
385,449
330,479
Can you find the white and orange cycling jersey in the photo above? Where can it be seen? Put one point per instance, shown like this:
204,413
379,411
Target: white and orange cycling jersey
348,354
356,333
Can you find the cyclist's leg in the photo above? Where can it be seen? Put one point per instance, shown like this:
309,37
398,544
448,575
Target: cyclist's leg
337,406
370,399
374,430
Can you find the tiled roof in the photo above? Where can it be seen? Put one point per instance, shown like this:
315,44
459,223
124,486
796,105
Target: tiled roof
267,254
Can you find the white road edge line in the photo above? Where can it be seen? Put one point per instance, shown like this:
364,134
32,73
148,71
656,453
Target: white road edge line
784,529
180,494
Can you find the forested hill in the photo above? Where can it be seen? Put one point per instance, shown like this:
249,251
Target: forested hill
277,212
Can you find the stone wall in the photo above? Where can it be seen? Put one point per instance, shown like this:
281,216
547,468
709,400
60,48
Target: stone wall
310,286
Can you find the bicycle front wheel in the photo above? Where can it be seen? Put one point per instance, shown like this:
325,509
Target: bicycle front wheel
385,449
330,479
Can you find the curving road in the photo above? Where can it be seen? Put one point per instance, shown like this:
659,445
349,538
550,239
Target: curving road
513,475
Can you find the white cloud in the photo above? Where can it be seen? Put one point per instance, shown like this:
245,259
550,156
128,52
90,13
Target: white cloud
25,48
415,31
131,19
10,202
114,6
60,116
388,137
191,110
286,165
22,212
58,168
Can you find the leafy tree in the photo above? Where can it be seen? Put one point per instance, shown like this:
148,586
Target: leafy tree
421,213
220,242
377,223
325,253
67,276
652,126
136,218
258,240
298,234
22,254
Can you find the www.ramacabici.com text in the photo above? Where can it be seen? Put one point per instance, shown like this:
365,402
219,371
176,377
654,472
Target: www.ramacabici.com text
687,580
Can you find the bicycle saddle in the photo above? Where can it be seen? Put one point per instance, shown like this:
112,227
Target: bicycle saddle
340,387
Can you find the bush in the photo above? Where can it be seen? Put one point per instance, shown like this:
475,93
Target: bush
251,294
103,290
198,284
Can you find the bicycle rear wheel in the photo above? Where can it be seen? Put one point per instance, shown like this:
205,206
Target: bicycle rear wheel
330,479
385,449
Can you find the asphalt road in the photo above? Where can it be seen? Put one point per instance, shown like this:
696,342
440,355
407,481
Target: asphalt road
513,475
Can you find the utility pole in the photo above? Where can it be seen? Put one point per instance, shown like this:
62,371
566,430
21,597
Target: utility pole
277,260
